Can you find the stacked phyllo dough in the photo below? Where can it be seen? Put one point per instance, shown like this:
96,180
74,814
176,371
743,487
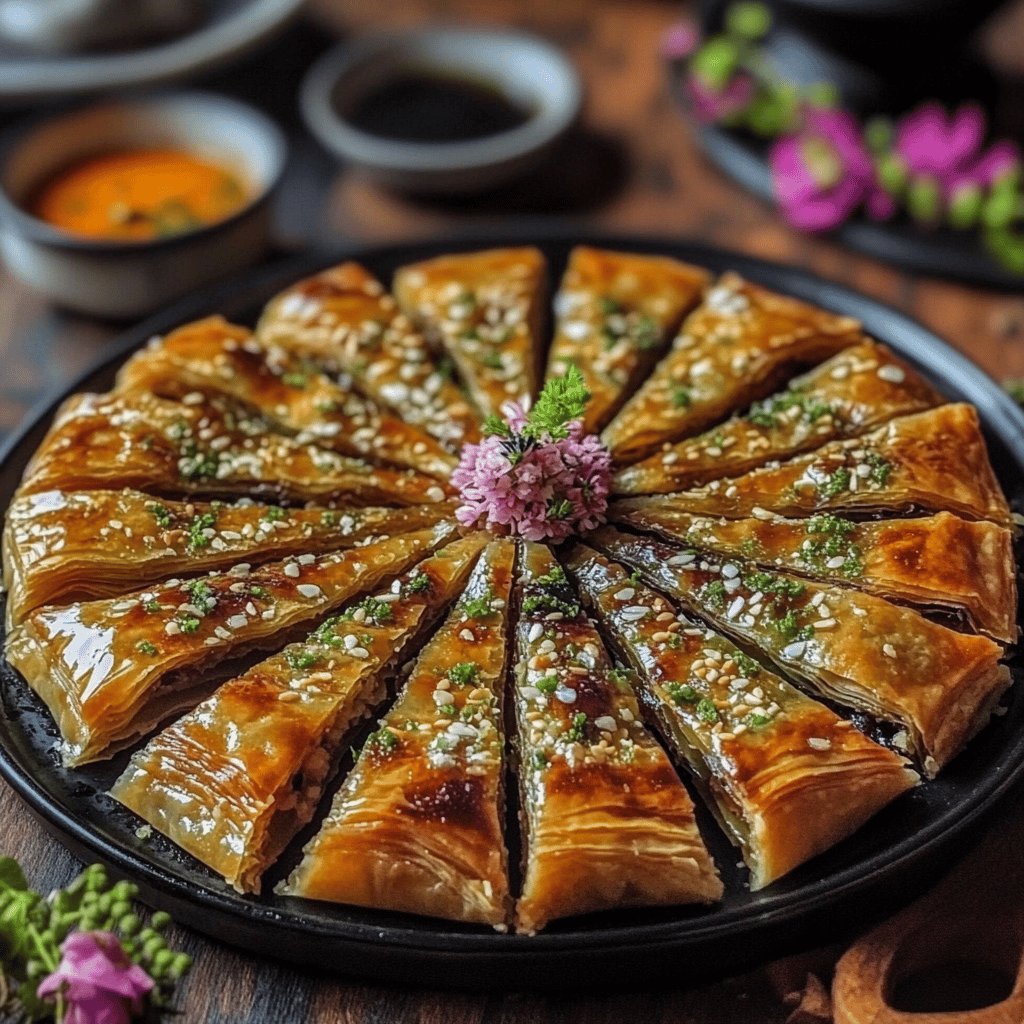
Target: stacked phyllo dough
243,565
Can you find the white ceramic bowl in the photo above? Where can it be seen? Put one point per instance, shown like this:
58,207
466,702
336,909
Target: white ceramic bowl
124,279
530,71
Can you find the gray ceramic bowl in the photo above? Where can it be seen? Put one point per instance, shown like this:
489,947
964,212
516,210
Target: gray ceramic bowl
127,279
530,71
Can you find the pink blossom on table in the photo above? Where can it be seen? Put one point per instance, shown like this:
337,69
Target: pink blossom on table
710,105
680,41
824,172
97,981
555,489
999,160
878,203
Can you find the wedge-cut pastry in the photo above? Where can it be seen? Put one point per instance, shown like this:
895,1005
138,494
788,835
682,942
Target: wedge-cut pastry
233,781
343,320
889,662
938,563
616,312
110,671
785,776
606,821
208,449
417,826
933,461
212,357
738,345
847,395
485,309
62,546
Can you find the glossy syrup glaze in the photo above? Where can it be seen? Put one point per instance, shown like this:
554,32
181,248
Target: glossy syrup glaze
606,820
735,347
845,396
880,658
615,314
213,357
485,309
788,775
343,320
73,545
99,664
234,780
206,448
418,824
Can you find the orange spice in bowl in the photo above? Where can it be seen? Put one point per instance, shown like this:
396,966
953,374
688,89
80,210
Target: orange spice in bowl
139,195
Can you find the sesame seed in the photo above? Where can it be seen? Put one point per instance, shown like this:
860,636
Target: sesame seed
626,594
892,374
309,590
292,570
607,723
888,650
536,631
237,622
817,743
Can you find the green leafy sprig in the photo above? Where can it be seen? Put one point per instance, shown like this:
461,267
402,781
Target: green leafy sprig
562,401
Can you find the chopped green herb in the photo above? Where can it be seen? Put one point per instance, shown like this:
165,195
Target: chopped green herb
200,594
746,664
162,515
478,607
418,583
706,710
548,684
464,673
712,595
197,538
835,483
559,508
681,693
577,731
255,590
299,381
493,361
770,411
620,677
382,742
609,306
375,611
301,659
153,606
188,623
880,469
274,514
756,720
778,586
547,603
146,647
328,517
539,760
555,578
681,398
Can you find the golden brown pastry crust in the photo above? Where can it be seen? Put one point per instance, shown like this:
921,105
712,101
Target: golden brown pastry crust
112,670
234,781
615,313
786,776
208,449
934,461
417,826
735,347
607,822
846,396
212,357
851,647
485,308
62,546
343,320
939,563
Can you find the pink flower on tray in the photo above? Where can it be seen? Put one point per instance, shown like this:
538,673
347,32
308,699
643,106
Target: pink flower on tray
710,104
947,147
822,173
680,41
536,475
98,983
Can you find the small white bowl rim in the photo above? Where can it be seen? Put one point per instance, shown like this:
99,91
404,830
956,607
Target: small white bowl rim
12,213
338,134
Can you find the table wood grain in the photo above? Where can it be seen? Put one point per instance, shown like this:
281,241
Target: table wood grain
631,167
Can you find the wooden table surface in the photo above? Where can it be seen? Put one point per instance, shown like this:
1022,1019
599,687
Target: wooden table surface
632,167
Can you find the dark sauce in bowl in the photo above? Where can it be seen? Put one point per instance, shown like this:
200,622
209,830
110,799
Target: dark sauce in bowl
432,107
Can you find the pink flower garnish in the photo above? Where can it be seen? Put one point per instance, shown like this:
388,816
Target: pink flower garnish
680,41
824,173
537,487
97,981
948,148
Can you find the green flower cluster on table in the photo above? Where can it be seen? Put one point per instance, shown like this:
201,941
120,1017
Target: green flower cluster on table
933,166
82,955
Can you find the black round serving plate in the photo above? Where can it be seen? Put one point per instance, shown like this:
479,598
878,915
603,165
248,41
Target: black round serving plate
868,876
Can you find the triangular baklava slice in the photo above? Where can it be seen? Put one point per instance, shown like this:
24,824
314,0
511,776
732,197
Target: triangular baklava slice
209,449
110,671
234,781
417,826
485,308
786,777
343,320
938,563
738,345
845,396
213,357
615,314
606,821
62,546
933,461
938,686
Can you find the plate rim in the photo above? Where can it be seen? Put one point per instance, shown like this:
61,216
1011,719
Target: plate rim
675,935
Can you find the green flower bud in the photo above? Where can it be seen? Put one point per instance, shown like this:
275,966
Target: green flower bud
151,947
129,924
822,94
180,966
924,200
878,134
119,909
162,961
160,920
716,61
998,208
148,933
124,891
748,19
892,174
965,207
